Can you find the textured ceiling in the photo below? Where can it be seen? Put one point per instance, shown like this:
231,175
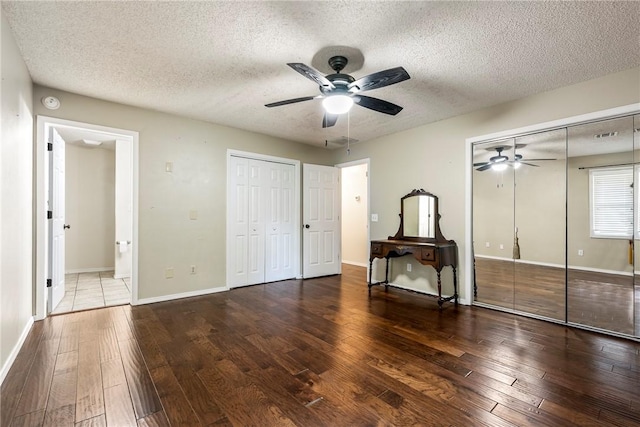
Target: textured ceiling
222,61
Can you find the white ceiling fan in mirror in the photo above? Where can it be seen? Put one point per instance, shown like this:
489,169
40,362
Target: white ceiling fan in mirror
500,162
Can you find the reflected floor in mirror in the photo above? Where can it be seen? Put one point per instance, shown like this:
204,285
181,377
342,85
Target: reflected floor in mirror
318,352
600,300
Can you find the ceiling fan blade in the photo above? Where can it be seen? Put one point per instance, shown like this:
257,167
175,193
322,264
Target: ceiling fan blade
290,101
530,164
376,104
311,74
380,79
484,168
481,164
329,120
538,160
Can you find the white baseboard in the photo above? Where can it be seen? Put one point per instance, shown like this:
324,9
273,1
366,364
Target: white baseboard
181,295
88,270
16,349
356,263
122,276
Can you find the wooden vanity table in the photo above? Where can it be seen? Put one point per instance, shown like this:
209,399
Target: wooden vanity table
418,235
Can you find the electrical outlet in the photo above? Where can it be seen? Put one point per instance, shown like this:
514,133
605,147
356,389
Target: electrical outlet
487,245
193,269
168,273
374,217
580,252
193,214
408,267
501,246
168,167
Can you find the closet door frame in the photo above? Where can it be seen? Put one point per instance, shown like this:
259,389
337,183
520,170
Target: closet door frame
611,113
296,247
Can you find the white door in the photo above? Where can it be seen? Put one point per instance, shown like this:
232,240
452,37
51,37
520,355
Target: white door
56,225
321,221
279,221
124,205
256,207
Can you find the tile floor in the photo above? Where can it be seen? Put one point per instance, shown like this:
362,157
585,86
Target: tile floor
93,290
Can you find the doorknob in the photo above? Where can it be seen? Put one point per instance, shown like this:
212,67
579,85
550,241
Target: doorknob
307,226
66,226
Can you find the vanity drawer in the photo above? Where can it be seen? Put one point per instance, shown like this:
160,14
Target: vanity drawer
376,249
428,254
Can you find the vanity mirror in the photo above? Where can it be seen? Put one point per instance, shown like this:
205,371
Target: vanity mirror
419,218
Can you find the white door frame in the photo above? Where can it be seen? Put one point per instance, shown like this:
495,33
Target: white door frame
366,161
297,248
40,220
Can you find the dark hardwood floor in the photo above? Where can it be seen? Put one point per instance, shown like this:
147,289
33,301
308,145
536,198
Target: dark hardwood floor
317,353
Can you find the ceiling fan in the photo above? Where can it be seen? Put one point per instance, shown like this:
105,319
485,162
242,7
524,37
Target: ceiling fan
340,91
501,162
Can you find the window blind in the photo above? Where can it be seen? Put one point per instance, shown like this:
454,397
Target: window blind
611,202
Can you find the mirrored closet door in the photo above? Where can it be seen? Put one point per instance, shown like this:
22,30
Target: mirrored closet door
600,226
555,220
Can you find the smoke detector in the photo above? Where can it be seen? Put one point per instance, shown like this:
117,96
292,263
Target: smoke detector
51,102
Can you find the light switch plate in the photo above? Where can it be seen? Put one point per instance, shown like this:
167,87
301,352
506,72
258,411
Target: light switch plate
193,214
168,167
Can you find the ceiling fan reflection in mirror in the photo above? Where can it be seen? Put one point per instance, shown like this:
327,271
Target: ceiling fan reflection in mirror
501,162
340,91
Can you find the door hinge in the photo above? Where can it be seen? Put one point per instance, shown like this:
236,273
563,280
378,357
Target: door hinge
48,283
49,146
49,214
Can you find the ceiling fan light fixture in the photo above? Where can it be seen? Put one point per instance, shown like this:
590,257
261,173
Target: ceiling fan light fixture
517,164
337,104
499,167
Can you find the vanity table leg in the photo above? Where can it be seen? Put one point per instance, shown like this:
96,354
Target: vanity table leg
455,285
386,277
370,272
439,291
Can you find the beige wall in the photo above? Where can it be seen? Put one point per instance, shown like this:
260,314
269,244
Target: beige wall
433,157
89,208
16,305
354,215
167,235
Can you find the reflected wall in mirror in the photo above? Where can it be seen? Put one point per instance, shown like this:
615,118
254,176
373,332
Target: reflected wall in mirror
418,215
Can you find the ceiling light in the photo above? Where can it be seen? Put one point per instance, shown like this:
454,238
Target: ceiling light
337,104
92,142
499,167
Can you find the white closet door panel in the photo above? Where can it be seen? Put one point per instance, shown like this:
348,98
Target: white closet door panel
256,207
238,222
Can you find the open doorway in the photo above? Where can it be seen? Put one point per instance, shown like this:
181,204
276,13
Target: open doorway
86,189
355,212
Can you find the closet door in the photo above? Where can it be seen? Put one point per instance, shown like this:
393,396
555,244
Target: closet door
539,167
260,221
493,223
601,231
256,206
279,221
237,221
